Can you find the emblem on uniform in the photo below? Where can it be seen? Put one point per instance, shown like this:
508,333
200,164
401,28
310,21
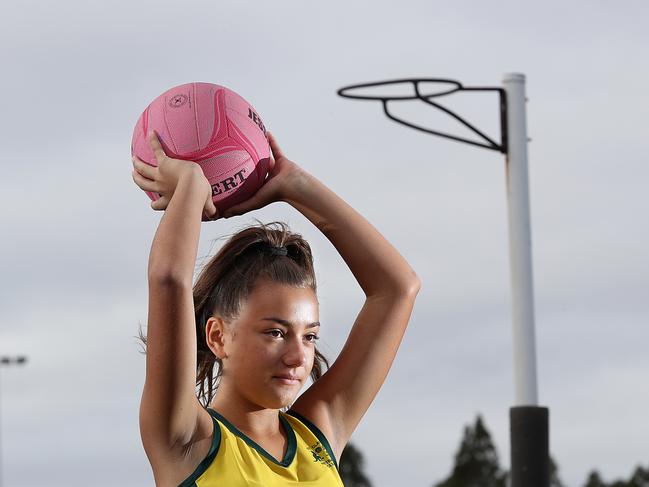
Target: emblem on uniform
321,455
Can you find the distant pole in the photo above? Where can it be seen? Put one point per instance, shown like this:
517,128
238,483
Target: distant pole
6,361
529,423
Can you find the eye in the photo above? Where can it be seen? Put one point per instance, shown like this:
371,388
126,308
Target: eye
275,331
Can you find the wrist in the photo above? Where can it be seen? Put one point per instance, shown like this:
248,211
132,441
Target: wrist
195,174
298,186
195,179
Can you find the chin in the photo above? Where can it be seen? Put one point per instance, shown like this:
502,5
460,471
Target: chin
282,397
285,403
280,402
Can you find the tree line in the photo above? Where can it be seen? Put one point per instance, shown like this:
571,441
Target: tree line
477,465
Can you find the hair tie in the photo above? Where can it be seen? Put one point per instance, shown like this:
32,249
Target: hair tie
278,250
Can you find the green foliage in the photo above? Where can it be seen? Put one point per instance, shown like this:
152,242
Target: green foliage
477,465
351,468
476,461
594,480
640,478
555,481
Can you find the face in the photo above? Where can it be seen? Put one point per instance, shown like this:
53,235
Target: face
273,336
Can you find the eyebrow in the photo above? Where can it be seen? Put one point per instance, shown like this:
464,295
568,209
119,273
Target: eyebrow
288,323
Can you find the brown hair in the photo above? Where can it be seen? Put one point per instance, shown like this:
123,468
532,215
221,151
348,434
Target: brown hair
228,279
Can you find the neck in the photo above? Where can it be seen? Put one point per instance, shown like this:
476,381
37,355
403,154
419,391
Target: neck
249,418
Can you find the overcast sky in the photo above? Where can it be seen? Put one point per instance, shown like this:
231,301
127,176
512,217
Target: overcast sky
76,231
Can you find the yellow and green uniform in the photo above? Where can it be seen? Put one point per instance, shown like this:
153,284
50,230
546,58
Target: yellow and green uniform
235,460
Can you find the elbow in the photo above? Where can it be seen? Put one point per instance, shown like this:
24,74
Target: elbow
414,285
169,279
409,286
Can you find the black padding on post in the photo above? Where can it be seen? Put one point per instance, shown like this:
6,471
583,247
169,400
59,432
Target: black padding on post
530,446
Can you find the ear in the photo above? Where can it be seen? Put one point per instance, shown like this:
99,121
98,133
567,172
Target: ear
217,335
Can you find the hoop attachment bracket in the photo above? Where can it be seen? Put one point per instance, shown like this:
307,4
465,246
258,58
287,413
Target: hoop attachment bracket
426,98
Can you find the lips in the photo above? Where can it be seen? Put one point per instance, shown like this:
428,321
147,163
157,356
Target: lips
287,379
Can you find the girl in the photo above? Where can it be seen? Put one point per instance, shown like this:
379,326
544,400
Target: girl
254,312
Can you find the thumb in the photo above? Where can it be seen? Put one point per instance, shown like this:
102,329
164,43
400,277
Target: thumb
160,204
156,146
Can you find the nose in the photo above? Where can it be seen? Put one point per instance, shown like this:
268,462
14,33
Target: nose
296,354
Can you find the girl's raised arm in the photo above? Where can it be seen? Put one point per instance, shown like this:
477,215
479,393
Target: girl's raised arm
338,400
169,408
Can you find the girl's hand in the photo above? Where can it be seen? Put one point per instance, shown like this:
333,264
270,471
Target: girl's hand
282,176
164,178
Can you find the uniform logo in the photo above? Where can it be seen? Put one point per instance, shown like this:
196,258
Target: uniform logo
321,455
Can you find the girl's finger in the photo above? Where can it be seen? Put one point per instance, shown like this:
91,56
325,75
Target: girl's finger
144,183
271,164
210,212
146,170
160,204
258,200
158,151
274,146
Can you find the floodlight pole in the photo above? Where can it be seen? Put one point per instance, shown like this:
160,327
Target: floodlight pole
8,361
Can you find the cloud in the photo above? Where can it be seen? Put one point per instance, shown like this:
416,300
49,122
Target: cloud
76,232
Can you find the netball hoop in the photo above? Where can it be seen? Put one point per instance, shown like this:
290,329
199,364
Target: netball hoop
420,92
529,423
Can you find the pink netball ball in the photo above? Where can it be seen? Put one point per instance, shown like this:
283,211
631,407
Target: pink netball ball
214,127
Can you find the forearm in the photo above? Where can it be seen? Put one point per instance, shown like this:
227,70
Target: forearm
175,245
376,264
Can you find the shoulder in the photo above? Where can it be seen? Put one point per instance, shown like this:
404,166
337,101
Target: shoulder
183,464
317,419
